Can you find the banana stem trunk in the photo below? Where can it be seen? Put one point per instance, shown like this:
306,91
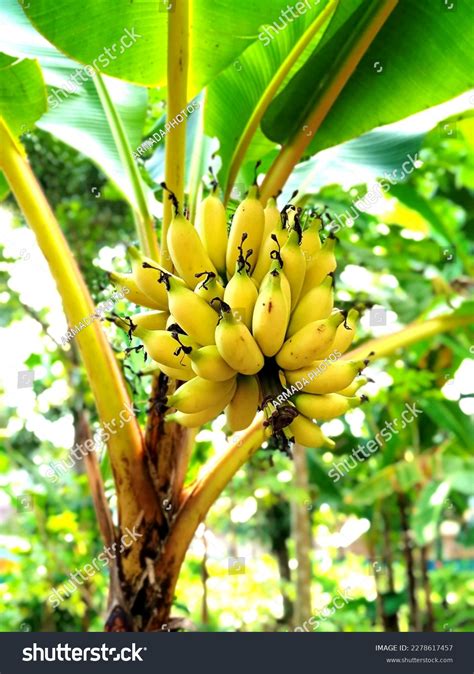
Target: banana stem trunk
175,146
302,536
135,496
194,508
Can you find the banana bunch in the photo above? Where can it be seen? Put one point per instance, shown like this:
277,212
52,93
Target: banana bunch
247,321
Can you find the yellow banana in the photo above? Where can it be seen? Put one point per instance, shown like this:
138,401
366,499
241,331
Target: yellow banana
323,264
272,218
325,407
209,287
135,295
344,336
164,348
325,376
271,314
151,320
191,312
240,292
273,225
354,387
236,345
306,344
310,241
209,364
242,409
277,239
285,284
180,374
187,251
248,219
146,273
167,349
294,265
199,394
308,433
171,323
314,306
211,225
196,419
229,320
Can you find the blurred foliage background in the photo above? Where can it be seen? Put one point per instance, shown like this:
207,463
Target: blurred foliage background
394,535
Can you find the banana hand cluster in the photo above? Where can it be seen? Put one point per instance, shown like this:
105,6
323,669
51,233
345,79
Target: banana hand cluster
247,320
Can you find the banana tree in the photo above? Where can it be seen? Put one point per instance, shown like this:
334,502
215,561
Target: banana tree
272,86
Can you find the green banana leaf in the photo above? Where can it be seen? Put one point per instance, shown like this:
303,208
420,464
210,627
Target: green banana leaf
233,96
377,153
22,98
218,31
78,118
22,93
80,122
414,63
371,156
360,160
